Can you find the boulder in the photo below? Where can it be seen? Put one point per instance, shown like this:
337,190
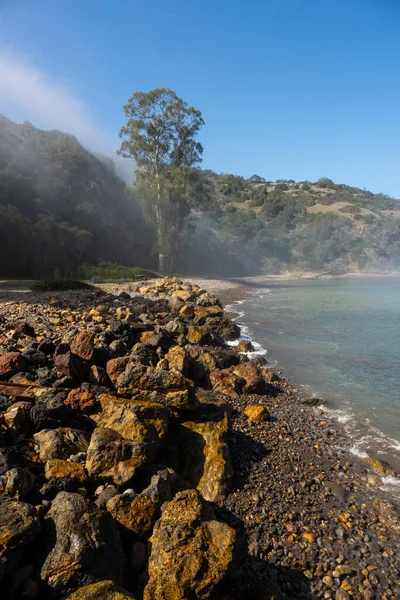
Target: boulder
17,417
63,469
83,345
103,590
18,525
170,388
143,422
60,443
135,515
18,482
190,550
50,411
84,545
82,401
10,364
179,359
111,458
69,365
199,452
116,366
251,372
227,382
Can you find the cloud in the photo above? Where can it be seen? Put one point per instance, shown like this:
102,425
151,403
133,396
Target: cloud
30,92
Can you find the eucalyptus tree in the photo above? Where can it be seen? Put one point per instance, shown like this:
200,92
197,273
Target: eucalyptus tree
160,135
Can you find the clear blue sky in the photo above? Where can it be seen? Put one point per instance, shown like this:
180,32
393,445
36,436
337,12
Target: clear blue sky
288,88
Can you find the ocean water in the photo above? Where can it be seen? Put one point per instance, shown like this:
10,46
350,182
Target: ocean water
340,339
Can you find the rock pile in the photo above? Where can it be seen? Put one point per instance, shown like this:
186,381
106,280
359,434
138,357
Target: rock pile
114,425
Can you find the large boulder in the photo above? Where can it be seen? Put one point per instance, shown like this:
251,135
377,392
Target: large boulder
60,442
190,550
200,453
170,388
85,545
143,422
112,458
18,525
103,590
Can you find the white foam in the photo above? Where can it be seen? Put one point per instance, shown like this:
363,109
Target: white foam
389,483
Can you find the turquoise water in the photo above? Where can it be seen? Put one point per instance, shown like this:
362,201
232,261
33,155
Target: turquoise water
341,340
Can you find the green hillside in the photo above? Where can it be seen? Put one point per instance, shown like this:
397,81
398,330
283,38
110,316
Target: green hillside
62,206
297,226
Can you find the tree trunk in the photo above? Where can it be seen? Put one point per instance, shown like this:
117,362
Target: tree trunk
162,262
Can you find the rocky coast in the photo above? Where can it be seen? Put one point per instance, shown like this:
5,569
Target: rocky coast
143,457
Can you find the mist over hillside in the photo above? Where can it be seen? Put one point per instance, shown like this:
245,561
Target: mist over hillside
62,206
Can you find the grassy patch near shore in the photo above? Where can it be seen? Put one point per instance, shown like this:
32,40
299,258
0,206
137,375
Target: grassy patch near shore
109,271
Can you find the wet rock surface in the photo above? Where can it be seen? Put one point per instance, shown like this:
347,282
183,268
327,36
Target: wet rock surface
143,457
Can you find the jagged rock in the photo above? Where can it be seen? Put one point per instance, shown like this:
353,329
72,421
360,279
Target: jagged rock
18,482
69,365
168,387
179,359
11,363
388,514
60,443
18,525
245,346
83,345
135,514
226,382
200,453
103,590
164,484
143,422
21,327
176,327
97,375
81,401
49,411
63,469
17,417
251,372
85,545
190,550
35,358
112,458
116,366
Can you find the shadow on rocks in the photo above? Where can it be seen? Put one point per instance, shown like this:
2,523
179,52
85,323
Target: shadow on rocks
251,576
245,452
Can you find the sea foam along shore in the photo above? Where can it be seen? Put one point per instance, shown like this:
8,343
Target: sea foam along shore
355,439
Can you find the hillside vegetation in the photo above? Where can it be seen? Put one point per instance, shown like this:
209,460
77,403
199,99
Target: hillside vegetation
62,207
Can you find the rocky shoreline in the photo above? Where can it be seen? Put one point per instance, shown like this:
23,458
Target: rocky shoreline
140,456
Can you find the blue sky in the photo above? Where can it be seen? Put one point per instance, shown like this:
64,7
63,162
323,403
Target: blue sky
294,89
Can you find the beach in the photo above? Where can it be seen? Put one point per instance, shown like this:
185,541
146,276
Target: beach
311,520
